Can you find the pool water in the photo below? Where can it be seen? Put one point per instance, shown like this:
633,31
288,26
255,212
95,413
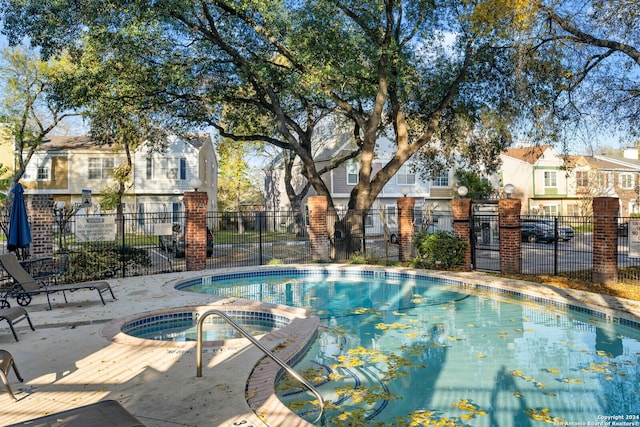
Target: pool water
182,327
408,352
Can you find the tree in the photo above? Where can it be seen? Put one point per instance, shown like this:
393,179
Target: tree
30,106
437,78
598,63
235,186
479,188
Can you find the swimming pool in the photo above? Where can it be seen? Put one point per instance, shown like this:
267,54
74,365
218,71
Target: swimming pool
400,348
180,325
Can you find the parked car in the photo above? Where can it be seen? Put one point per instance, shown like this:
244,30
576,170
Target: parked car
175,242
565,232
533,232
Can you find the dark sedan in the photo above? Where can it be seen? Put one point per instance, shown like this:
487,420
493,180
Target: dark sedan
533,232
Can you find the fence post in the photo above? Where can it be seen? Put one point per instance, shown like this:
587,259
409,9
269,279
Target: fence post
318,235
405,227
605,240
462,227
40,208
195,230
510,237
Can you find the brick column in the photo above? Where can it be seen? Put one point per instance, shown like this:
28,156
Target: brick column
195,229
605,240
40,211
405,227
462,227
318,234
510,238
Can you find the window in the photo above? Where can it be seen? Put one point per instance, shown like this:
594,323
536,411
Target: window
176,168
100,167
392,216
405,176
625,180
441,180
602,180
551,210
38,169
149,168
352,173
582,178
550,180
573,209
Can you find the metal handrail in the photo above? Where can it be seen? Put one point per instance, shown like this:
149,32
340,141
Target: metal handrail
255,342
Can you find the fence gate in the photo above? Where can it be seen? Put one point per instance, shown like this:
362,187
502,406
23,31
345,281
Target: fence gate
485,239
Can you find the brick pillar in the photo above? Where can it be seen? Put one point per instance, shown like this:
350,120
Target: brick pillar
318,235
195,229
40,212
462,227
605,240
405,228
510,238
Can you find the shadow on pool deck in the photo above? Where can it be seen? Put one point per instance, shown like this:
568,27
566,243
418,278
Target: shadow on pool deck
67,362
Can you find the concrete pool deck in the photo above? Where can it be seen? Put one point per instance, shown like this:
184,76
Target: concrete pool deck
68,362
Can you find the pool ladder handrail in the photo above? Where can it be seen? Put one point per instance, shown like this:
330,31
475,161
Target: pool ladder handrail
255,342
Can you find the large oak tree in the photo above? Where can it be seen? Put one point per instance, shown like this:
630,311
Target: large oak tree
445,80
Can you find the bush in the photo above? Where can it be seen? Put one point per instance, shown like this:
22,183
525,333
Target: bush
439,250
101,261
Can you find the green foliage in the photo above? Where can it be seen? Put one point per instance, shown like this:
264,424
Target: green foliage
236,180
440,250
100,260
479,188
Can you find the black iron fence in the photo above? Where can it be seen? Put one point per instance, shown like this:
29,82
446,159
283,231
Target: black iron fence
628,250
151,243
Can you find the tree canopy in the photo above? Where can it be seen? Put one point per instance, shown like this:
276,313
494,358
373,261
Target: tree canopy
445,80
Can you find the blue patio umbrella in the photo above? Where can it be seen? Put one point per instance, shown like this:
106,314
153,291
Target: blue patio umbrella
19,230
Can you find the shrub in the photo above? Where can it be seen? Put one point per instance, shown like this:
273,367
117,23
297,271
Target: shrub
439,250
100,261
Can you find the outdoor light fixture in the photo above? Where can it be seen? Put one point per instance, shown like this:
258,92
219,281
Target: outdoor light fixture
463,191
509,189
404,191
195,183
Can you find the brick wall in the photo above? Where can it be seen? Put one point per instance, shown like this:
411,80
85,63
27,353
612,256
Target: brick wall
605,240
462,227
40,212
510,237
405,228
318,234
195,233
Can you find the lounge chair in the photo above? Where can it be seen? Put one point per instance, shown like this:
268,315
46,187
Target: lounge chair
13,316
24,285
107,413
6,363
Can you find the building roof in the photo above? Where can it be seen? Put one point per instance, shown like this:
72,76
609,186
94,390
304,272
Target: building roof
527,154
78,142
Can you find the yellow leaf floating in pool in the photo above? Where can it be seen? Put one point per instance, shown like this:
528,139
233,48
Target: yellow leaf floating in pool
572,381
608,378
481,355
553,370
544,415
322,312
517,394
552,394
412,335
